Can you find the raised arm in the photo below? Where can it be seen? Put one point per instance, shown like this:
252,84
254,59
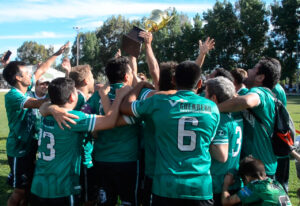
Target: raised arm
208,45
66,65
133,65
47,64
151,60
103,91
34,103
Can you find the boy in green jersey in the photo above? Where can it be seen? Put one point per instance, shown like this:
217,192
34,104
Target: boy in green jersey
20,145
185,124
115,150
226,145
56,177
259,189
261,79
239,76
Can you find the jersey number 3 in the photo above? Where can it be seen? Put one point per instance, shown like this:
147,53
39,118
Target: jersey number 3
182,133
47,136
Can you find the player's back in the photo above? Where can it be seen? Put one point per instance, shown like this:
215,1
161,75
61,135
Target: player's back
58,165
185,123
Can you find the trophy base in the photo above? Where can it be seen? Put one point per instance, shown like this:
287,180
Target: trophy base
132,43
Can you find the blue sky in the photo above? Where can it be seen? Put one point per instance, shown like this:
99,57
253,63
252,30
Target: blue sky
51,22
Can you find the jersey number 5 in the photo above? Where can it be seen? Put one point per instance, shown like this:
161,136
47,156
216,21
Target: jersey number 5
187,134
49,136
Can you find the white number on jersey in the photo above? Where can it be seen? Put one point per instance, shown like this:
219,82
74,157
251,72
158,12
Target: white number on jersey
186,133
238,131
50,137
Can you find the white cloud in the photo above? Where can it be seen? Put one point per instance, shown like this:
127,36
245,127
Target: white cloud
70,9
39,35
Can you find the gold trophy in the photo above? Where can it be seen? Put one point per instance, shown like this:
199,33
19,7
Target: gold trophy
132,43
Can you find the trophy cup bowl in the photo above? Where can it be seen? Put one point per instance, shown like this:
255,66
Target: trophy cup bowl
132,43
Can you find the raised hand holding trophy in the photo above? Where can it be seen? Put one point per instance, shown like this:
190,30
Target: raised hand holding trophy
131,42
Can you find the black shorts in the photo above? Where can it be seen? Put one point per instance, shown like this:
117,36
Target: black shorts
117,180
147,191
72,200
165,201
282,172
88,184
21,171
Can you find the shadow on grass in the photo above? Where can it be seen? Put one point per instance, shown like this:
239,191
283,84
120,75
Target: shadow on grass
3,138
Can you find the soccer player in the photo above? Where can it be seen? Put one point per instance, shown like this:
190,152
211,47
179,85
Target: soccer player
116,150
56,177
226,145
261,79
20,141
239,76
258,189
184,126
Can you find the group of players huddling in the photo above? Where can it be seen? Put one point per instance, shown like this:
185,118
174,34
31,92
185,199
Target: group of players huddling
182,140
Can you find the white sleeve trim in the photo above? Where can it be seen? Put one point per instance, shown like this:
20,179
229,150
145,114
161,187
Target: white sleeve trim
257,96
128,119
144,96
23,102
92,123
133,108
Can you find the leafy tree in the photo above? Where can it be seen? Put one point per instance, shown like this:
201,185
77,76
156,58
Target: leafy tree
254,26
285,20
32,53
223,26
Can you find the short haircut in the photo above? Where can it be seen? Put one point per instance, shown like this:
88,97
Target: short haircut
11,71
221,72
60,90
187,75
79,74
271,68
249,166
220,86
116,69
239,75
166,74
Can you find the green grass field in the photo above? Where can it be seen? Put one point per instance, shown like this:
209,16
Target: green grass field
5,190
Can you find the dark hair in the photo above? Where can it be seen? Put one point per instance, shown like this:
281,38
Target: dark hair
221,72
166,74
249,166
187,75
11,71
271,68
239,75
116,69
60,90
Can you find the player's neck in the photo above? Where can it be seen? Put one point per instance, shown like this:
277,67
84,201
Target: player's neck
84,90
68,106
20,87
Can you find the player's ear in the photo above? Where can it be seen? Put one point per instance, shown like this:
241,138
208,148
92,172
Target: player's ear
85,82
199,84
73,97
260,78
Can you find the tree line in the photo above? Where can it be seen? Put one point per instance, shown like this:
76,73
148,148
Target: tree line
244,32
